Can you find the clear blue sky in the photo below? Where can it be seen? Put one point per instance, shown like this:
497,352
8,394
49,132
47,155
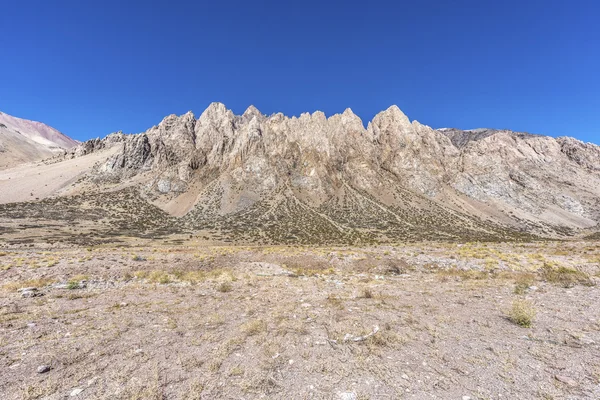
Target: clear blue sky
90,68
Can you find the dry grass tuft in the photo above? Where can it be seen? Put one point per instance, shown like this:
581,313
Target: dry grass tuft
463,274
159,277
522,313
565,276
38,283
254,327
195,391
225,287
523,282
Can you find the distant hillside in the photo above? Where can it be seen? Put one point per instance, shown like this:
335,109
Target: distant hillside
24,141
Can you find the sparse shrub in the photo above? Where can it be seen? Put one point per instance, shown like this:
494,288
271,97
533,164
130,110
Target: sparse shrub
72,285
491,264
335,301
141,274
565,276
195,391
137,257
216,319
367,293
523,282
462,274
396,267
38,283
522,313
254,327
385,338
225,287
159,277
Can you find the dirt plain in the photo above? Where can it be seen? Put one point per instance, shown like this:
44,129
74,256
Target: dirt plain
182,319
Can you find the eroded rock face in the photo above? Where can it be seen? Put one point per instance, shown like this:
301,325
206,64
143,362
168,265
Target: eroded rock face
233,162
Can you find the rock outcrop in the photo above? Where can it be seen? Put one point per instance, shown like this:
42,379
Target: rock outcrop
393,172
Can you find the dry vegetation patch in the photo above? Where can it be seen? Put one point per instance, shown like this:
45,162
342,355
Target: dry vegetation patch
522,313
207,322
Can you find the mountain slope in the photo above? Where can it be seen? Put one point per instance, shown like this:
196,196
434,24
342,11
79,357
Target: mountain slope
23,141
313,179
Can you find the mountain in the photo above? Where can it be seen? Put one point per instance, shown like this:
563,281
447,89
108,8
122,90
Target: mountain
313,179
23,141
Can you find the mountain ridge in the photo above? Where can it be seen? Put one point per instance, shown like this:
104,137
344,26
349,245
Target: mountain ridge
313,179
317,155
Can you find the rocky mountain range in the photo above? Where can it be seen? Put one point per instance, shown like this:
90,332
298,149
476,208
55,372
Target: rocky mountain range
24,141
312,179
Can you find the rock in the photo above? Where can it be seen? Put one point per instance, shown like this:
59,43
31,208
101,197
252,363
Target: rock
347,396
336,173
566,380
31,293
42,369
586,340
27,289
92,381
75,392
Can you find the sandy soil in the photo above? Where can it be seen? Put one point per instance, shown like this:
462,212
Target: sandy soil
39,180
199,322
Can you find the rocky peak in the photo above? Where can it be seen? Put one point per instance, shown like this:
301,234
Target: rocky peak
585,154
317,156
251,112
391,119
351,120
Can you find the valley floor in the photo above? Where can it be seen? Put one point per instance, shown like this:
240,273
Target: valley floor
412,321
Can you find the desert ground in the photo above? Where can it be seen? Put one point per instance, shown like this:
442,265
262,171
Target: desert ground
150,319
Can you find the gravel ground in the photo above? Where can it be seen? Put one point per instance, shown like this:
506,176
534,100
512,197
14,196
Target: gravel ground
426,321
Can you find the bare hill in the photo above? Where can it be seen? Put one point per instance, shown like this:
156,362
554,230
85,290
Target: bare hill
23,141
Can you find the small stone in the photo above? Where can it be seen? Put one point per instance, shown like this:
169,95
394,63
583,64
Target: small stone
566,380
347,396
27,289
42,369
76,392
404,376
31,293
92,381
587,340
466,398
